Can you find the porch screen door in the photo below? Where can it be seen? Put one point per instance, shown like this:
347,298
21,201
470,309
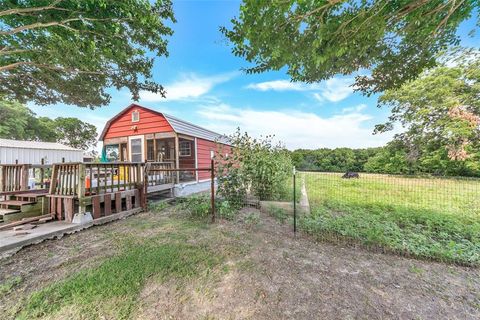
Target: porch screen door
136,153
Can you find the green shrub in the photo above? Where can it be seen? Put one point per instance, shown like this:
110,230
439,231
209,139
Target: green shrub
225,209
254,166
196,206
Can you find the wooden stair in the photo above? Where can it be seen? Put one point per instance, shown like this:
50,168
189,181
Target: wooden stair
20,205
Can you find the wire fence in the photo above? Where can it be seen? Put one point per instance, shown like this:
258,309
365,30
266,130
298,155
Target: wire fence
458,196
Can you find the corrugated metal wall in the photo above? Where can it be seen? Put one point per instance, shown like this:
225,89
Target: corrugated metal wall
34,156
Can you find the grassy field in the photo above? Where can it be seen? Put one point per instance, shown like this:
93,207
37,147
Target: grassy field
424,217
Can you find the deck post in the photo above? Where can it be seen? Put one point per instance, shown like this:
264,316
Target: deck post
142,184
42,173
2,178
81,188
177,157
24,177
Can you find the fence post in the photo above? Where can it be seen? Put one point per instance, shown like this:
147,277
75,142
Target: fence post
294,203
212,188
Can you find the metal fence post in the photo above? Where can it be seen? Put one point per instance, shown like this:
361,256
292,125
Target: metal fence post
212,187
294,203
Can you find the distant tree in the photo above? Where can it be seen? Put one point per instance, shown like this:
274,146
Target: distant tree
332,160
18,122
440,112
76,133
315,40
66,51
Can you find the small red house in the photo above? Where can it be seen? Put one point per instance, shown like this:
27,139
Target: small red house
139,134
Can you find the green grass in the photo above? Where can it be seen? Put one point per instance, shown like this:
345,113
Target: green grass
423,217
9,284
286,193
113,287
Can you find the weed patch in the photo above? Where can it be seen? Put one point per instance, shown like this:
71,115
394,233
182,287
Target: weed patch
9,284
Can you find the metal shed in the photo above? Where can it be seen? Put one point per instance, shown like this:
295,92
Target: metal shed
32,152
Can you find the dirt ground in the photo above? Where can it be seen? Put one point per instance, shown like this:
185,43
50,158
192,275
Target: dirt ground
272,275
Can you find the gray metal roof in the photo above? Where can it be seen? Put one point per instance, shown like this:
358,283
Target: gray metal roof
187,128
35,145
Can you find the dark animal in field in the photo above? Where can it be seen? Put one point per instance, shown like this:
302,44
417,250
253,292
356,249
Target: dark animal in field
350,175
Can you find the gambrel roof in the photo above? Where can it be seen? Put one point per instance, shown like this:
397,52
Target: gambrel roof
178,126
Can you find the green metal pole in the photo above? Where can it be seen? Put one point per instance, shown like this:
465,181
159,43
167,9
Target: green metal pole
294,203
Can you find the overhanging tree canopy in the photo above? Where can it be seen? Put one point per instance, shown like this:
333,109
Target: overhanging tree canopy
71,51
314,40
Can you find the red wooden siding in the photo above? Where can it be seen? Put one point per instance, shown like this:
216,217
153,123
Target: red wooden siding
204,148
150,122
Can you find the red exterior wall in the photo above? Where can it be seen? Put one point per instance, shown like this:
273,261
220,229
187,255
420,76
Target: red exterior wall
150,122
204,148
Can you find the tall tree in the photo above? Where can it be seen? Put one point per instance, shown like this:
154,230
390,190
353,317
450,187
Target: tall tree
314,40
76,133
19,122
440,112
69,51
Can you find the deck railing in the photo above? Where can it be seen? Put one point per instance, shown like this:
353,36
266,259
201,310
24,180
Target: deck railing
85,179
14,177
102,188
65,179
159,173
17,177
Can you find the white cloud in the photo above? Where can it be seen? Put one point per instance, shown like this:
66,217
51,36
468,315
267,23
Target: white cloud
297,129
337,89
334,89
282,85
189,86
358,108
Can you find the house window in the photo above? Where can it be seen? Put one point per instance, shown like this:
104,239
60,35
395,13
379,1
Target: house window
136,150
135,116
185,148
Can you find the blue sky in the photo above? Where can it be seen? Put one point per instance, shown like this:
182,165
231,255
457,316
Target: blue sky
205,86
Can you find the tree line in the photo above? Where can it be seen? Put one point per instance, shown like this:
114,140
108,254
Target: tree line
18,122
393,158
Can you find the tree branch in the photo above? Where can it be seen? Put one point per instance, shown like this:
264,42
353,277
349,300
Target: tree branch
54,23
34,9
45,66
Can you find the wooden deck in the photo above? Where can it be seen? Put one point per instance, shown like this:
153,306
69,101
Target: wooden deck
103,189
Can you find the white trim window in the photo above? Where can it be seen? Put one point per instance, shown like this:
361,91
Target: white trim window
185,148
135,116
